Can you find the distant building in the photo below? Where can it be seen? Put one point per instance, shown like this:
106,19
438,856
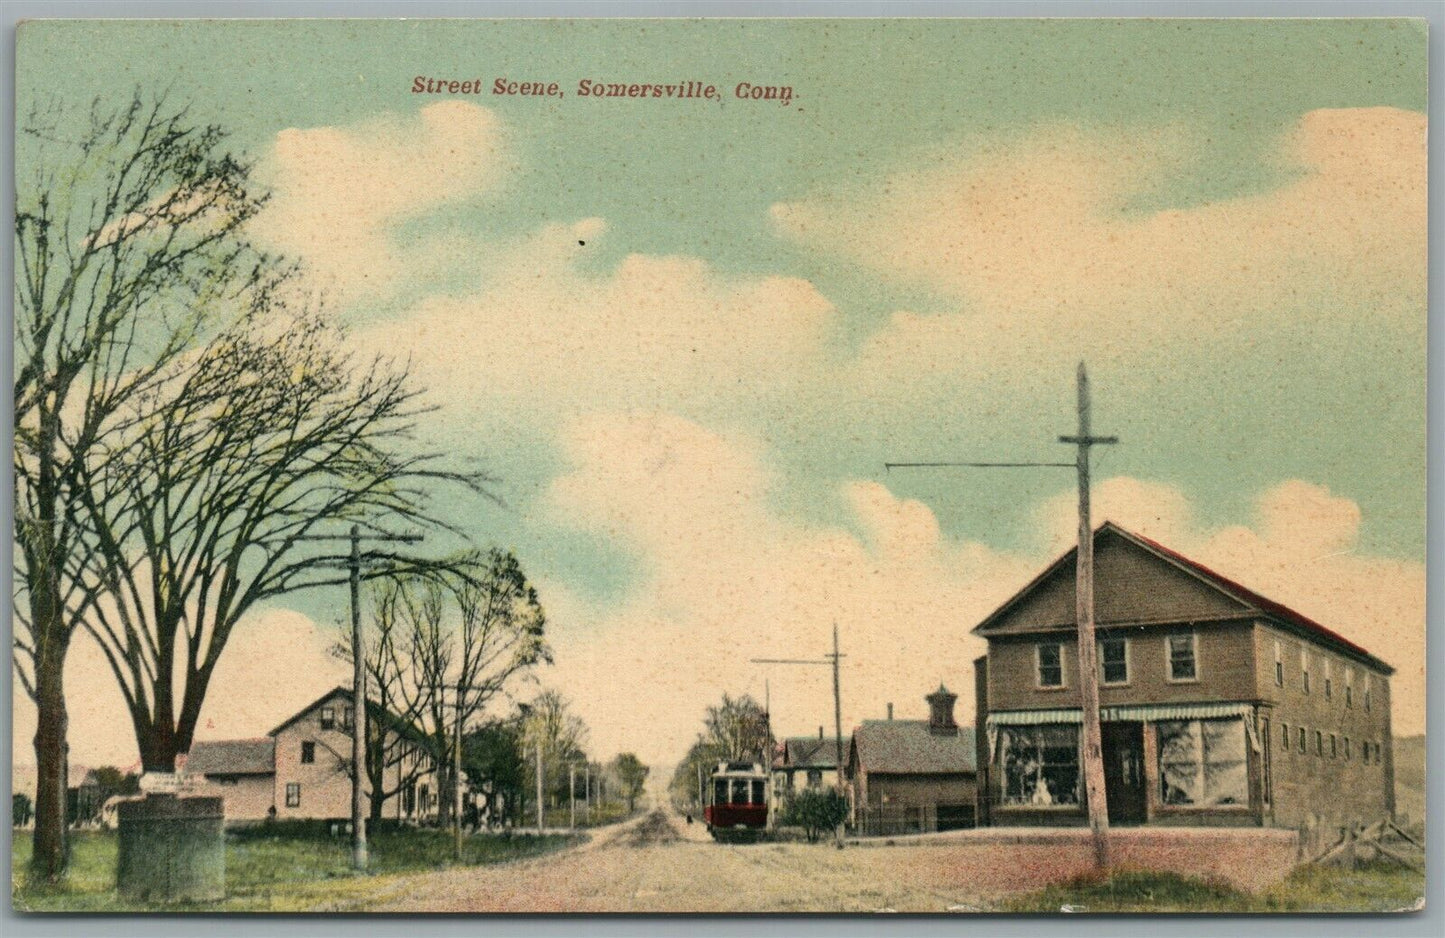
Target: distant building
913,776
806,762
302,768
1219,706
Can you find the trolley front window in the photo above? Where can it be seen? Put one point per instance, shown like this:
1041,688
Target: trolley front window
740,791
758,797
720,791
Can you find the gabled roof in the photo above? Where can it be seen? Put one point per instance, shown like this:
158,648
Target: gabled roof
338,691
906,747
810,752
233,757
1248,598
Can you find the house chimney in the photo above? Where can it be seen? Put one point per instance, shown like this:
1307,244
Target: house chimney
940,712
890,710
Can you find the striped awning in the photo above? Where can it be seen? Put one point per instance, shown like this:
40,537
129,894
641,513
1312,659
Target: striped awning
1144,713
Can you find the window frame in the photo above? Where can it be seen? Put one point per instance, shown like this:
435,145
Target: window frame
1241,805
293,794
1128,664
308,752
328,718
1039,666
1001,782
1303,741
1193,635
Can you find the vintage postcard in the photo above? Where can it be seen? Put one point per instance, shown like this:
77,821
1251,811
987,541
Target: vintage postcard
934,466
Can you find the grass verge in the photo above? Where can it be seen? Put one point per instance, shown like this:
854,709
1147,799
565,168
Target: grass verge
283,871
1377,887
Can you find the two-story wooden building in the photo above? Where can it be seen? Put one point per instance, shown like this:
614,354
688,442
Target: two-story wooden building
1218,705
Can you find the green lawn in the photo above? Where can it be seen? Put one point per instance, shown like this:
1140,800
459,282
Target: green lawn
1371,888
287,871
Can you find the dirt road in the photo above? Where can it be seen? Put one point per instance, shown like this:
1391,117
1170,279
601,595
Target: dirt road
658,863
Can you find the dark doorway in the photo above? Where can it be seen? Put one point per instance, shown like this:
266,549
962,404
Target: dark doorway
1124,772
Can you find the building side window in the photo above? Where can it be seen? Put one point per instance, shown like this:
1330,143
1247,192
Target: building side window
1284,736
1301,739
328,718
1334,746
346,719
293,794
1304,669
815,777
1319,743
1114,660
1377,753
1367,693
1267,754
1051,664
1202,762
1347,748
1183,661
308,753
1278,665
1040,765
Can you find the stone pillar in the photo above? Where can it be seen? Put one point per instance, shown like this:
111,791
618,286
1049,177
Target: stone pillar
172,849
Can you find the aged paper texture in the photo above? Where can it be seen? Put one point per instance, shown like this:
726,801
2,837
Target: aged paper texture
720,465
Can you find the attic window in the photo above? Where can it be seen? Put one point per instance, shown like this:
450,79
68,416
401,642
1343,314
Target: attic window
328,718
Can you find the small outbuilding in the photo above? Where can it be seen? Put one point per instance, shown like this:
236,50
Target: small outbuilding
914,776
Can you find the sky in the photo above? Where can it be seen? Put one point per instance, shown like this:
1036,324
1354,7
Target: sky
686,335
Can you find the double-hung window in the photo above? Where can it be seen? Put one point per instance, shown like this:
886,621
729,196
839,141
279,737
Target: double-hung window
1050,664
293,794
1183,660
1114,660
328,718
308,753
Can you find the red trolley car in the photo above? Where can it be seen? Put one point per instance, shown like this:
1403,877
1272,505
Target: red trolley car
737,807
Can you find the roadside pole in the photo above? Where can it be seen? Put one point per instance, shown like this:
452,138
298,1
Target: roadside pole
539,786
572,793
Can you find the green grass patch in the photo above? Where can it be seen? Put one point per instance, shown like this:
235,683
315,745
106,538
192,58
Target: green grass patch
274,871
1377,887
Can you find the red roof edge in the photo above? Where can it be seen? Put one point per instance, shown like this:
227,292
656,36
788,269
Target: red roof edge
1247,595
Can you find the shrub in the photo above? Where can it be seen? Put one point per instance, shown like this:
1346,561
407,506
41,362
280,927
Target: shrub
816,811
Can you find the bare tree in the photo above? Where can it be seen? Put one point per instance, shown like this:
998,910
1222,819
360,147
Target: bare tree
562,737
269,438
737,729
128,247
441,649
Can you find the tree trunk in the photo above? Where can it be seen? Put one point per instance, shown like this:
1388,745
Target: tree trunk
158,747
52,753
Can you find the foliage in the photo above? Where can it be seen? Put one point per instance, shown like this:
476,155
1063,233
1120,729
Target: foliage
282,869
631,774
1377,887
816,810
493,761
21,809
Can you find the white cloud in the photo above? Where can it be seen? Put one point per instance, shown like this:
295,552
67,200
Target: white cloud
1036,238
548,334
727,577
339,192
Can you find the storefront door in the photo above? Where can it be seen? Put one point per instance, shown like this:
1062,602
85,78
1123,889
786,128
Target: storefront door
1124,772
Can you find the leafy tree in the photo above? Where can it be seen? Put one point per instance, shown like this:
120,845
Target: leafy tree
631,774
495,765
129,246
816,810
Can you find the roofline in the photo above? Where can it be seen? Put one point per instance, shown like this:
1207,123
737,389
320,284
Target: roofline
338,689
1260,604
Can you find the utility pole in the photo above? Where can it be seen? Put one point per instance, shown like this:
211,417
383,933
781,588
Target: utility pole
1093,756
587,789
360,856
539,784
457,778
572,792
1084,613
837,714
